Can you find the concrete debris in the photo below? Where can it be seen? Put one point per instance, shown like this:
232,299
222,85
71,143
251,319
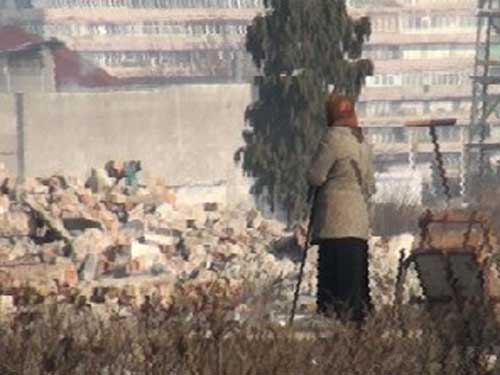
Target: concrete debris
89,266
133,228
4,204
80,224
92,241
112,235
160,239
16,223
114,231
98,181
145,256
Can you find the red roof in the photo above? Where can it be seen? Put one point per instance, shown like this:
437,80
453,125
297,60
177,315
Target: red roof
12,38
70,68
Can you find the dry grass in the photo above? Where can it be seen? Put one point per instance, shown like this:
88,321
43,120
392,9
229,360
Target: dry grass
173,340
204,339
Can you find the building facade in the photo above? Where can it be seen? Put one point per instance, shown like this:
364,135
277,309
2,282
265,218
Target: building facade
424,54
27,69
29,64
423,51
149,41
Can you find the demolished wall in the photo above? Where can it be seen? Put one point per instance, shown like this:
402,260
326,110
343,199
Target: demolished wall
61,239
185,134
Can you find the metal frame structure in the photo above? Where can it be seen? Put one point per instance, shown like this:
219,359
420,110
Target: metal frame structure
476,142
482,253
432,125
484,102
485,91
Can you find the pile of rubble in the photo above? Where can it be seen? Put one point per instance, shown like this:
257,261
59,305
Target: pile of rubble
113,240
61,237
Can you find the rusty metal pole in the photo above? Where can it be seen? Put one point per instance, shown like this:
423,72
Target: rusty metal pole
432,124
312,200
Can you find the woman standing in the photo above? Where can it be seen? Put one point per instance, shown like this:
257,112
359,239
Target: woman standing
342,172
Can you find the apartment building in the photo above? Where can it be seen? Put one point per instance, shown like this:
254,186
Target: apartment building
423,52
29,63
420,48
148,41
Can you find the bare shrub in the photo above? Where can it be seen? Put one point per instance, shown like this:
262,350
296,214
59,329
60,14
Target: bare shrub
185,339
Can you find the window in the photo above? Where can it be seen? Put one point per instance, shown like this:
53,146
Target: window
380,108
388,135
425,22
418,22
383,80
449,133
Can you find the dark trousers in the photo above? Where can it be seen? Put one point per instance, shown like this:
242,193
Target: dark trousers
343,279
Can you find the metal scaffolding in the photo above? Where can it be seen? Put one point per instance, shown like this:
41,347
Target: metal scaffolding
486,68
485,106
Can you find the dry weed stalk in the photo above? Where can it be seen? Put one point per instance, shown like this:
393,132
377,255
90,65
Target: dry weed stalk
191,339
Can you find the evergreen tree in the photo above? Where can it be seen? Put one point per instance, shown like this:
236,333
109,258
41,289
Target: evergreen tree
300,48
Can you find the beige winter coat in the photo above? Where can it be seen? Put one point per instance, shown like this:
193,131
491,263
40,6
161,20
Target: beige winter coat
342,170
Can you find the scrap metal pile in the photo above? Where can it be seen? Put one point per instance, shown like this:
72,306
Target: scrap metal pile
457,258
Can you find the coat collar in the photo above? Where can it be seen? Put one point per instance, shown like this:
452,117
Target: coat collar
345,132
341,130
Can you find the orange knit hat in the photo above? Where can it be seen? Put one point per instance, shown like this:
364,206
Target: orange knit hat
340,111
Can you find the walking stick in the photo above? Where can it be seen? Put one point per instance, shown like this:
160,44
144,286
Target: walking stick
311,199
